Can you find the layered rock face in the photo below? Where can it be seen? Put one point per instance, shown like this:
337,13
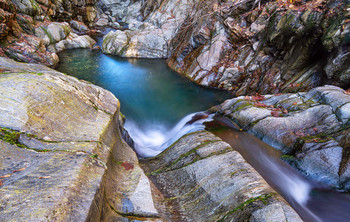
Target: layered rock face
28,33
152,26
311,128
243,46
203,178
62,157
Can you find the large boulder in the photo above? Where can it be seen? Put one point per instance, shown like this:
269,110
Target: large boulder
73,41
150,37
52,32
146,44
31,49
61,153
202,175
309,128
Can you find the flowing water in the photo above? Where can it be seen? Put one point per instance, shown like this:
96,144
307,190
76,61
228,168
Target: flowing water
313,201
159,106
153,98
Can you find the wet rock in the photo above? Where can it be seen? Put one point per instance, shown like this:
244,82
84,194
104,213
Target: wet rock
53,32
30,49
61,146
28,7
269,48
147,44
285,129
102,22
202,175
74,41
149,37
311,127
79,26
321,161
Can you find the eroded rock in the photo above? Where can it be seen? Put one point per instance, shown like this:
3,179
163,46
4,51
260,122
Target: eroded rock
309,127
202,175
61,153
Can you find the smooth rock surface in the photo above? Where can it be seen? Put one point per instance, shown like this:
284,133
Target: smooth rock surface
61,153
310,127
146,44
202,175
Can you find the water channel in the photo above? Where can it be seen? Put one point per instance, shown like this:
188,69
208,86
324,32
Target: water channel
157,103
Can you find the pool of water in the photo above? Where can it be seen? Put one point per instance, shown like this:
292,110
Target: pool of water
160,107
153,97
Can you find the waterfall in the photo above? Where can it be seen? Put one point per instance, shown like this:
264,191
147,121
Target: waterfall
157,137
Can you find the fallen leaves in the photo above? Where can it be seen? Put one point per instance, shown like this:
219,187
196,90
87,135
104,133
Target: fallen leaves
127,166
275,113
347,92
258,97
299,134
6,176
1,183
45,177
20,169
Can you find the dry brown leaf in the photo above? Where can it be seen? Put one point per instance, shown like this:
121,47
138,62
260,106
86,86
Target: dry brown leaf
6,176
20,169
45,177
275,113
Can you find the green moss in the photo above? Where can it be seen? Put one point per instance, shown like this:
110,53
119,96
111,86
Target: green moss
243,106
66,29
36,7
318,138
10,136
287,157
48,34
183,156
262,198
94,155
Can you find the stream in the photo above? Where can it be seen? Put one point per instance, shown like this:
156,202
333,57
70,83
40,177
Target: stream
158,104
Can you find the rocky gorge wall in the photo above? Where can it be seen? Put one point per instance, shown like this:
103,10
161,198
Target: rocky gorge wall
63,159
244,46
311,129
34,31
61,152
62,149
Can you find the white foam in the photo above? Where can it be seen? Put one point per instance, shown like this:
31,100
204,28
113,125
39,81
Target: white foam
156,138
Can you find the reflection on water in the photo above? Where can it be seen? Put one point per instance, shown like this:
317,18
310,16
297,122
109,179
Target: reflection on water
313,202
153,97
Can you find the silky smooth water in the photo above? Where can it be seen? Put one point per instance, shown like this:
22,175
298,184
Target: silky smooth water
313,201
153,97
159,106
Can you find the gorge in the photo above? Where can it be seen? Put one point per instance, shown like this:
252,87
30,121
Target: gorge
68,154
